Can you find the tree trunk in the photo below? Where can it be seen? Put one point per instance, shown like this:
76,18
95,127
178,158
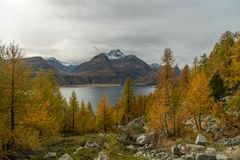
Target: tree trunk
200,123
174,124
12,97
166,124
73,120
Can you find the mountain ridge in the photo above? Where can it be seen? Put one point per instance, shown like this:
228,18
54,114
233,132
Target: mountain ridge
104,68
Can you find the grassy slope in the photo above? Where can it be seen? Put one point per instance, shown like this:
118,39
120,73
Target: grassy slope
70,144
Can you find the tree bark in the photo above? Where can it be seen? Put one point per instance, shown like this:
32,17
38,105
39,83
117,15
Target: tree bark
12,97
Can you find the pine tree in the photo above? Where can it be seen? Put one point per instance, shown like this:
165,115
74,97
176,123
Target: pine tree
217,86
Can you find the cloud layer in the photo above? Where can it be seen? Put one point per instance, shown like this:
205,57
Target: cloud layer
79,29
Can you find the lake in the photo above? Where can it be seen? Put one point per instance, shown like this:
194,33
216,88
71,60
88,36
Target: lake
93,93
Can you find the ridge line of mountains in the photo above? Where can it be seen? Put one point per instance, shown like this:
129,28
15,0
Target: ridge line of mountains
105,68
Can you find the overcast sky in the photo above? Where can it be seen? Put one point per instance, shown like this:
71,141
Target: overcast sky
79,29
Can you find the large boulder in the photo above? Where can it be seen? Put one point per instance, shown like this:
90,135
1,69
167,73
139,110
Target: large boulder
201,139
49,155
65,157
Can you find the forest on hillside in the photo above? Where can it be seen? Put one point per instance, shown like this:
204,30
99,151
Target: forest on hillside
33,111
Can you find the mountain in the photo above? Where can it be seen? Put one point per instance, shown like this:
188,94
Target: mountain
115,54
105,68
114,67
37,64
59,65
155,66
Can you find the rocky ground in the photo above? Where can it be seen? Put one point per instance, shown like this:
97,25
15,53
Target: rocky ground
132,142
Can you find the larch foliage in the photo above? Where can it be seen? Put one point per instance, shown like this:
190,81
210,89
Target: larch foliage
160,110
103,116
126,104
74,109
198,99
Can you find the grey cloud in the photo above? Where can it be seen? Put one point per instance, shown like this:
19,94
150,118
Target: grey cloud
71,29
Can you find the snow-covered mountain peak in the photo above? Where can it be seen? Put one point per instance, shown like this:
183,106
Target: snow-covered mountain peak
115,54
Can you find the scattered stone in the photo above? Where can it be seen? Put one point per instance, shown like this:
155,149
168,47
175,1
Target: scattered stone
143,139
190,157
160,155
102,156
201,139
193,148
211,151
91,144
139,154
49,155
139,122
230,141
205,156
222,157
176,151
65,157
78,149
131,147
189,123
233,149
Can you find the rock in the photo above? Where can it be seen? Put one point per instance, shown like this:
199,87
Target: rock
160,155
102,156
233,149
176,151
139,154
230,141
131,147
222,157
65,157
190,157
189,123
91,144
193,148
201,139
78,149
143,139
205,156
49,155
235,141
211,151
139,122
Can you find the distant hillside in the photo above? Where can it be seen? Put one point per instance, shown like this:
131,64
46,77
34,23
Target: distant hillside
37,64
59,66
